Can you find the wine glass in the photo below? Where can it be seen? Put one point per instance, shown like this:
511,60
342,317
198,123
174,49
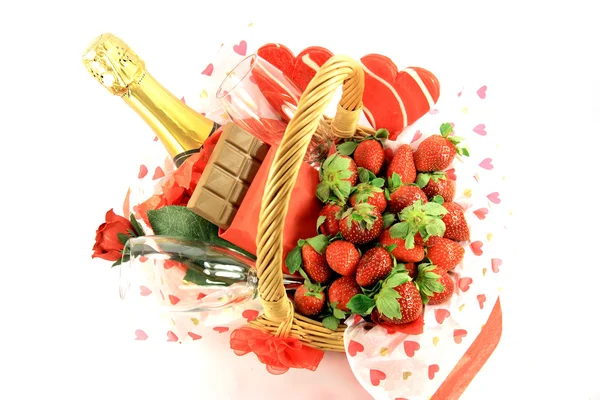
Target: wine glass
190,276
258,97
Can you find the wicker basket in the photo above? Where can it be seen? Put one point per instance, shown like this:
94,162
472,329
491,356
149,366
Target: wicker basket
279,318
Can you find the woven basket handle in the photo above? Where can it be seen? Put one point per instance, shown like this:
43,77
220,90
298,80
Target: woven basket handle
287,163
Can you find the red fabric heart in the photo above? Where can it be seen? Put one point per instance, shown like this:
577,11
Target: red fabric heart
464,283
220,329
144,291
476,247
194,336
441,314
432,370
354,348
250,315
143,171
140,335
241,48
300,69
496,263
494,197
458,335
171,337
395,99
377,376
481,299
481,213
410,347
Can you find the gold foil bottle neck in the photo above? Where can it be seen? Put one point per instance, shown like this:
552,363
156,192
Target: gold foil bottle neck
113,63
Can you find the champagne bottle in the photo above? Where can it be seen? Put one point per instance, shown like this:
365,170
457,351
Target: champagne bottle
180,129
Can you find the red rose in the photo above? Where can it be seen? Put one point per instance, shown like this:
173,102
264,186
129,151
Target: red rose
108,246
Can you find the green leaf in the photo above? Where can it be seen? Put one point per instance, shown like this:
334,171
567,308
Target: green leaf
399,230
338,313
360,304
378,182
395,280
382,133
374,290
436,227
438,199
124,258
434,209
446,129
339,163
388,306
423,179
294,260
363,175
345,187
331,322
320,221
437,175
465,152
391,248
318,243
410,242
396,181
386,193
137,227
388,220
123,238
347,148
323,192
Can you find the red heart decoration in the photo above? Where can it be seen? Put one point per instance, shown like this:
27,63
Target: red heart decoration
183,99
482,92
171,337
194,336
480,130
463,283
140,335
441,314
494,197
143,259
481,299
417,136
458,335
208,70
143,171
220,329
496,263
301,68
200,296
376,376
144,291
158,173
432,370
173,299
481,213
354,347
486,164
451,174
410,347
250,315
476,248
241,48
357,318
395,99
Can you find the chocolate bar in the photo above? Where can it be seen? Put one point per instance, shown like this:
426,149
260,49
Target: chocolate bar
228,175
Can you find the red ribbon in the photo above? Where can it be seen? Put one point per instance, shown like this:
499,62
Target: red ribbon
278,354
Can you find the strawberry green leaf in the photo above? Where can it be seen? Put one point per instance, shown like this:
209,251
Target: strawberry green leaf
386,193
410,241
293,261
434,209
318,295
436,227
428,282
378,182
382,133
396,279
446,129
464,152
320,221
394,182
360,304
347,148
388,219
339,163
437,175
387,304
338,313
423,179
399,230
390,248
374,290
331,322
438,199
363,175
318,243
323,192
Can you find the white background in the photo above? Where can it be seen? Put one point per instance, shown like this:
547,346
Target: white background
69,151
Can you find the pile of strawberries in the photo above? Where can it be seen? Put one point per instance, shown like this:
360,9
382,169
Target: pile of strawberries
388,232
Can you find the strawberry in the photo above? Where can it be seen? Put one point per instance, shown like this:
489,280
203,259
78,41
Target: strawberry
338,174
411,306
448,283
310,254
367,193
402,195
446,255
370,155
400,252
403,164
425,219
436,184
375,265
328,222
429,284
437,152
411,268
342,257
431,241
456,224
342,290
309,299
361,224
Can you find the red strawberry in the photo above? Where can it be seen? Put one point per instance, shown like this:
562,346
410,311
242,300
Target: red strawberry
367,193
375,265
361,224
446,255
448,283
315,264
400,252
456,224
403,164
431,240
419,218
342,290
309,300
370,155
404,196
410,302
342,257
338,174
437,152
411,268
330,224
430,285
436,184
